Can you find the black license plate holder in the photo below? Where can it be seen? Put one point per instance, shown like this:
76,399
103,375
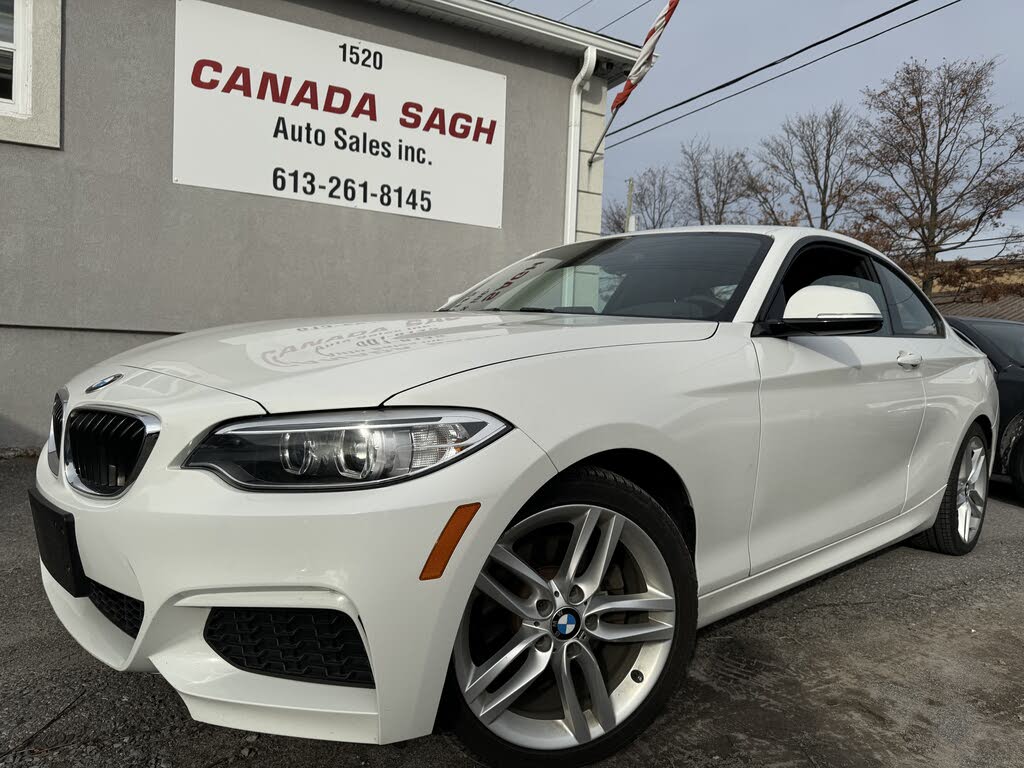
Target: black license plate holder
58,547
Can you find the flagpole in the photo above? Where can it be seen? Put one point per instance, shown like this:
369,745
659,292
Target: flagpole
641,67
604,133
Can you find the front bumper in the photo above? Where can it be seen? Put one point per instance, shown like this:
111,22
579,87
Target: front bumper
183,542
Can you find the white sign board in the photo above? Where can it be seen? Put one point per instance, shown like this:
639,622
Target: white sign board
274,108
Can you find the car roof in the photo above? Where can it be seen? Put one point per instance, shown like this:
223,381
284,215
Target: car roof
789,234
759,229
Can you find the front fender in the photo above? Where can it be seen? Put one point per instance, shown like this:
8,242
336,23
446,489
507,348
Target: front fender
692,404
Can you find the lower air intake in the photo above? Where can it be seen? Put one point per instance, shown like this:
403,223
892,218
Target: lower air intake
122,611
310,644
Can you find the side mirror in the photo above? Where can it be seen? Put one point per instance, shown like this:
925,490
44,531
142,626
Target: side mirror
824,310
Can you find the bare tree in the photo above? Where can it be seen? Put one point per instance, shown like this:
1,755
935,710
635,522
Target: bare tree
948,166
809,172
655,203
613,217
771,199
712,184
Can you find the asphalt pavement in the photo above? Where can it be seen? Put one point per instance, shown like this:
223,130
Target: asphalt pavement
905,658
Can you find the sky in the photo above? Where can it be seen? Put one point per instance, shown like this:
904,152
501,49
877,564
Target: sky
711,41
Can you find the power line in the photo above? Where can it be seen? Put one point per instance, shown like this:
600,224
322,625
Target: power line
967,245
763,67
574,10
973,247
992,241
987,239
995,238
631,10
776,77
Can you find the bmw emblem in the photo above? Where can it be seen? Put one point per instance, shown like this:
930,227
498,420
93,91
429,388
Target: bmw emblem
565,624
103,382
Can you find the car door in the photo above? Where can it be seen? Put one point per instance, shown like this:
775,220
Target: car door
840,416
947,366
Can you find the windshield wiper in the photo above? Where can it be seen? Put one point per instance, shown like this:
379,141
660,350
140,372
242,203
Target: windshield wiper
547,310
521,309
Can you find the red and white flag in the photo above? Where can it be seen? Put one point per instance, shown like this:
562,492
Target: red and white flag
646,59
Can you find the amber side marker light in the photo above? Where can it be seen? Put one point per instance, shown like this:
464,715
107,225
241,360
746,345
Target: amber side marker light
448,541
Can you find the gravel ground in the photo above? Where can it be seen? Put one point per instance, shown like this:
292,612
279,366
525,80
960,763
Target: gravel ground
903,659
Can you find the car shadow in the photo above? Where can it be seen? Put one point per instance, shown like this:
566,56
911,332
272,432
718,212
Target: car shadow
1001,489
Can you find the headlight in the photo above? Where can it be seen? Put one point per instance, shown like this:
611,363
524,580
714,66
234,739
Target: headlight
347,449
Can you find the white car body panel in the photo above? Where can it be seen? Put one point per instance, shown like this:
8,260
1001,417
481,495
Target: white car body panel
773,581
812,488
183,539
331,363
686,416
797,456
959,387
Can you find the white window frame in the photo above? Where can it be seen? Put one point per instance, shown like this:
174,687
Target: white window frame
21,84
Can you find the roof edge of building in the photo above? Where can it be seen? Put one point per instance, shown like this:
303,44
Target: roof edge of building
615,57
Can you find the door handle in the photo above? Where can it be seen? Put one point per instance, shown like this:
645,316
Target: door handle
909,360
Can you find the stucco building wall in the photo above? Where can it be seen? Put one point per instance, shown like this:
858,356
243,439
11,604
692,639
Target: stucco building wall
100,250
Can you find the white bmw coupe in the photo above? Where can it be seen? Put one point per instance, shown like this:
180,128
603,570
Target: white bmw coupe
517,510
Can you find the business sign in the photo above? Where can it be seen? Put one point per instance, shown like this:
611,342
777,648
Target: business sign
274,108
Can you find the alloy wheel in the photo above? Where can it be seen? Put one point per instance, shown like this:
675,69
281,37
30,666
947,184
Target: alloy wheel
568,629
972,489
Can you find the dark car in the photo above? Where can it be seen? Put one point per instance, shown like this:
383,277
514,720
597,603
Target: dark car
1003,342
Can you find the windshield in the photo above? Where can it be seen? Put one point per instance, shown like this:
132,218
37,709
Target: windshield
683,276
1008,338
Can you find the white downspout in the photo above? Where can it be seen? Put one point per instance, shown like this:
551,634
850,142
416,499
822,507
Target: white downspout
572,165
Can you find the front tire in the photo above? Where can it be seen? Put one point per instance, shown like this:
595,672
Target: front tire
958,526
581,624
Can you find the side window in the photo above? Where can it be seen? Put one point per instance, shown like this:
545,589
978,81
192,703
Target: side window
10,57
911,316
30,71
822,265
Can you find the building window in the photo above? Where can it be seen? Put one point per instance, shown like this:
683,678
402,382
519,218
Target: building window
15,56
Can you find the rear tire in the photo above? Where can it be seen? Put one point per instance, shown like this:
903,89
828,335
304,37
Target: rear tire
958,526
1016,470
567,716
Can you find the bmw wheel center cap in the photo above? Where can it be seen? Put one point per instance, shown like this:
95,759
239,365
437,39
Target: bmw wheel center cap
565,624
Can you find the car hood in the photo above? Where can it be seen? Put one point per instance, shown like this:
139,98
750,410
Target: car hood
359,362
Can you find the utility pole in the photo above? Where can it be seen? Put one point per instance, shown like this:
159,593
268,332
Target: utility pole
630,221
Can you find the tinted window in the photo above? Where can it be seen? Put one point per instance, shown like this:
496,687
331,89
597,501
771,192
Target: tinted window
685,276
822,265
911,316
1008,338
